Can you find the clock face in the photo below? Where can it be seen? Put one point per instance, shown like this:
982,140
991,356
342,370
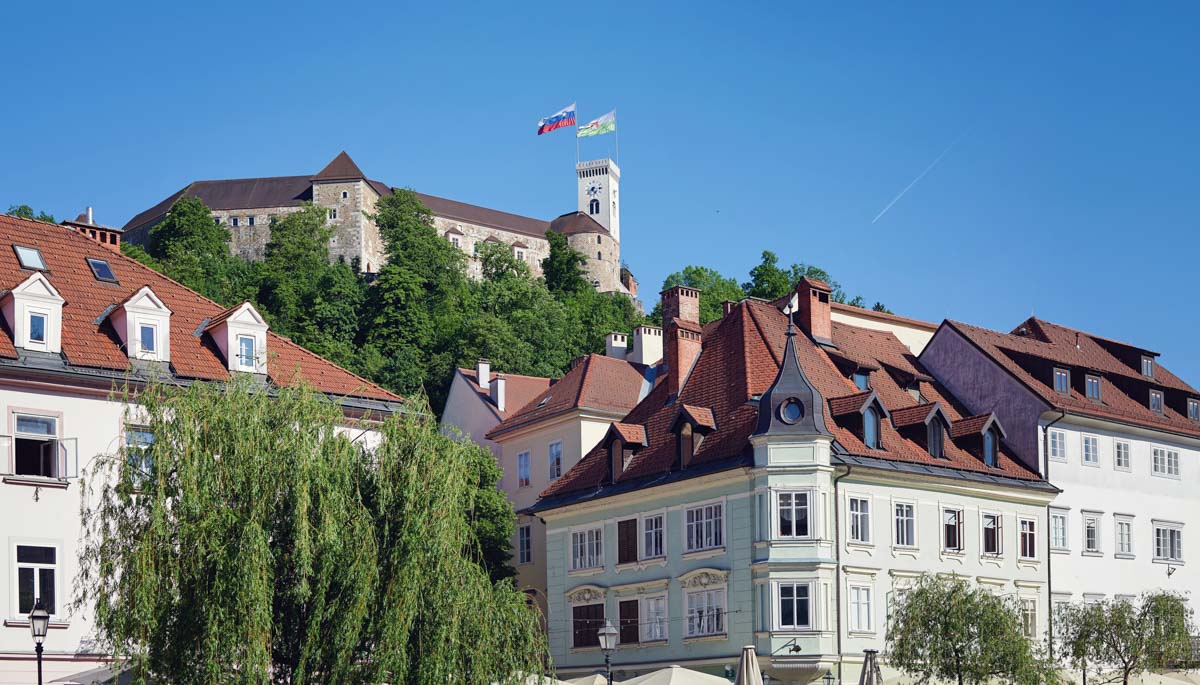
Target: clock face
594,190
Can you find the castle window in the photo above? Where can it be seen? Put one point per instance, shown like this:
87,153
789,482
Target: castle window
345,195
594,206
333,214
454,240
249,221
598,255
599,240
233,221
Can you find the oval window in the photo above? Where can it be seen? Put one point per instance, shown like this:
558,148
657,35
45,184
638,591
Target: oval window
791,411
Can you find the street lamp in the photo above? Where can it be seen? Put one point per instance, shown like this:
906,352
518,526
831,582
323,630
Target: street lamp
39,623
608,642
827,678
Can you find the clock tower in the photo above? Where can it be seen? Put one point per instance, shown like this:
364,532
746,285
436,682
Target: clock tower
598,198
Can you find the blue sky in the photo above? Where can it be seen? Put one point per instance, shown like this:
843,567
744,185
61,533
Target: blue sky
1069,192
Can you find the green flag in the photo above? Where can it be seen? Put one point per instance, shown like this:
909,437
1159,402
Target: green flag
597,127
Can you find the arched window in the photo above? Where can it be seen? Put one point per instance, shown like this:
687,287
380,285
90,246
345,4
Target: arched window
598,255
594,206
989,447
871,428
935,439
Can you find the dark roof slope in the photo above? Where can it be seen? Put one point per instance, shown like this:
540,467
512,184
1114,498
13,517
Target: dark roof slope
88,341
482,216
576,222
342,168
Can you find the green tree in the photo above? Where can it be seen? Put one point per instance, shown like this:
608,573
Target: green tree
715,289
295,261
194,250
26,212
1117,639
563,267
950,630
252,542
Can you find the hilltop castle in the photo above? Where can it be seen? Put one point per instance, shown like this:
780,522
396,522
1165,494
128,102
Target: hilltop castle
247,206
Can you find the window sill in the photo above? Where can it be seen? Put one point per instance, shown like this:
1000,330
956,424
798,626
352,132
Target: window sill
645,644
859,544
585,650
719,637
1164,475
862,633
1091,464
1124,556
595,571
1169,562
1060,550
703,553
1122,469
642,565
1091,554
1024,562
37,482
905,551
24,623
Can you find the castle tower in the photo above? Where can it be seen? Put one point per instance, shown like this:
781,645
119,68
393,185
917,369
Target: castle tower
598,184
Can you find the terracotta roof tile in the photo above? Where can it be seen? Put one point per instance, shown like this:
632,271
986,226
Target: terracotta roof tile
849,404
519,390
630,433
914,415
701,416
972,425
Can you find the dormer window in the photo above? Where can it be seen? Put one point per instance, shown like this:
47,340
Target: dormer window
1156,401
1193,408
37,328
33,311
1148,366
990,448
1062,381
30,258
241,335
936,439
871,428
862,380
143,323
148,338
246,356
1092,388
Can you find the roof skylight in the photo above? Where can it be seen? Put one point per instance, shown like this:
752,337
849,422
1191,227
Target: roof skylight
101,270
30,257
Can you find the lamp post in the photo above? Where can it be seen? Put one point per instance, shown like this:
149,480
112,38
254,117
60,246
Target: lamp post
827,678
608,642
39,623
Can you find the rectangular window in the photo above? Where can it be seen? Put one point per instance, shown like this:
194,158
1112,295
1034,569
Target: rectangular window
1091,450
1058,530
1193,407
1166,462
333,213
1093,388
1058,445
246,356
137,447
555,461
1029,618
652,536
37,328
704,527
36,446
706,612
250,220
587,620
36,568
148,337
793,514
1168,543
906,525
860,609
30,258
524,544
587,549
627,617
654,621
993,534
1062,381
1121,459
233,221
1124,536
795,603
1156,401
523,479
1091,533
1148,367
627,541
860,519
454,241
1028,539
952,530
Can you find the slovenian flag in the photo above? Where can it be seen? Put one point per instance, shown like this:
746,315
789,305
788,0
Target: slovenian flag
566,117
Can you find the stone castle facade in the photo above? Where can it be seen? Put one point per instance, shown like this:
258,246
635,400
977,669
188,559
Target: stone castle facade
247,206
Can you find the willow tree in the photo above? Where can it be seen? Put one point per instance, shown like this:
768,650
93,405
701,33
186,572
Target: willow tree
1115,640
243,536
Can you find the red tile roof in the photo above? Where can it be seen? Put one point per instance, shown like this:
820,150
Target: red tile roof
739,361
86,343
596,382
849,404
630,433
914,415
971,425
701,416
519,390
1031,357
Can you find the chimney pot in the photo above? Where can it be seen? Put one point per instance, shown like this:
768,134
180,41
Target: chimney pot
616,345
813,313
727,306
647,345
498,388
681,302
483,374
89,216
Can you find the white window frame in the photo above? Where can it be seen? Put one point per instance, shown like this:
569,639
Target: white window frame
777,604
644,551
1120,549
44,343
1063,545
1128,450
1167,462
55,438
654,628
524,469
809,512
912,527
59,580
590,541
1168,527
525,544
1095,518
1058,445
1029,618
710,593
142,351
858,609
702,522
999,518
858,521
962,530
1094,440
1027,527
554,466
241,357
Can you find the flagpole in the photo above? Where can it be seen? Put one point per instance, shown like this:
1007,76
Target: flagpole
577,133
617,132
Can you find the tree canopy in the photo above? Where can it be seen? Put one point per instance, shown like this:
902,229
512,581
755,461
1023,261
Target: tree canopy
1116,639
247,537
27,212
948,629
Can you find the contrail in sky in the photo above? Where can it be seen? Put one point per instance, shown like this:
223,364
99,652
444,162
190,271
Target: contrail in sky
917,180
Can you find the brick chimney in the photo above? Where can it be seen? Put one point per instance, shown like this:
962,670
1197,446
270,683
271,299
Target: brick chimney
681,328
812,313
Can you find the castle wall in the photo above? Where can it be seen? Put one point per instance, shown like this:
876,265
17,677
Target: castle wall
473,234
603,266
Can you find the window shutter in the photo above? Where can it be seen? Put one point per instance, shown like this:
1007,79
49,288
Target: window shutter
629,621
627,541
586,629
